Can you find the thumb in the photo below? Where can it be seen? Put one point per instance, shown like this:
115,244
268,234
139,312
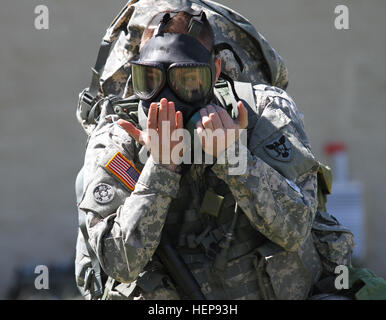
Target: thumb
131,130
242,119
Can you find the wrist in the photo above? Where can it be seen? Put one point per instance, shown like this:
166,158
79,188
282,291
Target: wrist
172,167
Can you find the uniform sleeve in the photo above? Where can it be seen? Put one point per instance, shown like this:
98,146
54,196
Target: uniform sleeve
277,189
126,239
124,227
82,267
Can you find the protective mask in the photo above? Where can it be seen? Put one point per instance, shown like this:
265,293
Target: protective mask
176,67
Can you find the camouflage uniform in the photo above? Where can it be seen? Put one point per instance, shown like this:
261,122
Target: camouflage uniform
272,254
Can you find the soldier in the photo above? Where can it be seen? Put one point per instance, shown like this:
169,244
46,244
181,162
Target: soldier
245,236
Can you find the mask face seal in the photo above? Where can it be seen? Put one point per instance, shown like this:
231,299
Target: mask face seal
176,67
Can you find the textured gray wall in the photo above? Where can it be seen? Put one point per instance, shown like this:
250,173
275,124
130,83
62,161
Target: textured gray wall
336,77
42,145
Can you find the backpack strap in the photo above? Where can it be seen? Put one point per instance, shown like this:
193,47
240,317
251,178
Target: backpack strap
223,95
224,92
88,97
127,109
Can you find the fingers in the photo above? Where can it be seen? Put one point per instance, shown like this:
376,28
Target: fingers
171,116
242,119
131,130
201,132
214,117
152,117
225,118
179,125
205,120
162,114
179,120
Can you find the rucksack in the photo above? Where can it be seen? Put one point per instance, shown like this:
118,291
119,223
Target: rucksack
246,56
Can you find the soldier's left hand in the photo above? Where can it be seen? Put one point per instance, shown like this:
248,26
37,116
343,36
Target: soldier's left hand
218,130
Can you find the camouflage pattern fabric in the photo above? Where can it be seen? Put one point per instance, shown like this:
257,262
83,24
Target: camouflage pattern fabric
334,242
262,64
277,198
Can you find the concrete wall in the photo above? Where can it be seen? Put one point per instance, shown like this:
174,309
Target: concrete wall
336,77
42,145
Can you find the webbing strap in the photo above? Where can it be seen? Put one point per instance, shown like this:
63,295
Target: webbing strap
88,97
108,287
96,289
103,53
221,91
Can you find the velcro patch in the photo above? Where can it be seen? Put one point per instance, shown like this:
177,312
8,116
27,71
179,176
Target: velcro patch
124,170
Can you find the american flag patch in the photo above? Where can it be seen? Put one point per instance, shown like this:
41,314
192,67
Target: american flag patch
124,170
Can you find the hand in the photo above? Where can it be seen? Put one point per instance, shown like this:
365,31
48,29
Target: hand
213,129
157,137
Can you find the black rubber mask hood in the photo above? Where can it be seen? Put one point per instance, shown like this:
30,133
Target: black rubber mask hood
171,48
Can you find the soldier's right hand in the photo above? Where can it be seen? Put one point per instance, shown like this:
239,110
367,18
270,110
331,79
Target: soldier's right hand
161,123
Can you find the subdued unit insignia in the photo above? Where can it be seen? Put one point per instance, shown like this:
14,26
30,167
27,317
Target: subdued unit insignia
103,193
279,149
124,170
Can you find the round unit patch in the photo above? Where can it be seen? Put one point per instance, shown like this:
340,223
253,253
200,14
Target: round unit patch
103,193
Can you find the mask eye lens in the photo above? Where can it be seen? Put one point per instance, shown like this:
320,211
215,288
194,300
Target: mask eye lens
147,80
190,83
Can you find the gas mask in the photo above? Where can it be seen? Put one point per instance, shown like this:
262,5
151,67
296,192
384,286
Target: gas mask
176,67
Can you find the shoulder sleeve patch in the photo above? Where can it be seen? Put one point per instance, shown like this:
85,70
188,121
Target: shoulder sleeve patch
124,170
103,194
279,148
